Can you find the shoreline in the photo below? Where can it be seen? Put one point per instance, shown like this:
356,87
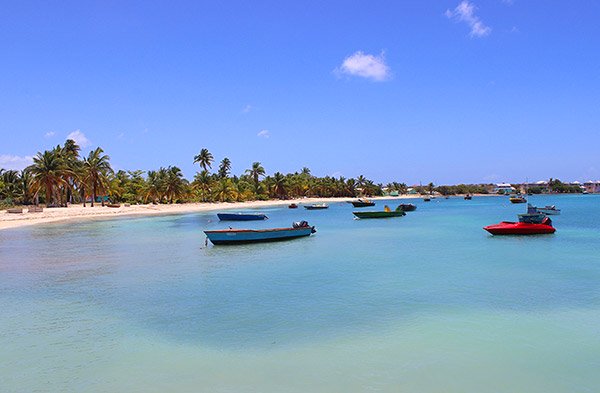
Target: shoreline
80,213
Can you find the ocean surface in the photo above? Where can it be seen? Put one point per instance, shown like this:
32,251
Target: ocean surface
429,302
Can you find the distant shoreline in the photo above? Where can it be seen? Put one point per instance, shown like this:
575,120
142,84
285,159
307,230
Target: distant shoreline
78,213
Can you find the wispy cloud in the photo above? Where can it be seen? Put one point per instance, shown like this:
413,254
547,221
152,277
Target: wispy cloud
247,108
80,138
49,134
9,161
263,134
366,66
121,135
465,12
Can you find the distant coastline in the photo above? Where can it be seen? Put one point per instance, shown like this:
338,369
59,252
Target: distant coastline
78,213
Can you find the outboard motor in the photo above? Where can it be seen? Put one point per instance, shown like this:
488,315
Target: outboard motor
300,224
547,221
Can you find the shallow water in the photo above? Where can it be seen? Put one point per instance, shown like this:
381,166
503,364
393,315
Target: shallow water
428,302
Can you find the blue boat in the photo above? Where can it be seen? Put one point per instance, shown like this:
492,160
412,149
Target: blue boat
241,216
243,236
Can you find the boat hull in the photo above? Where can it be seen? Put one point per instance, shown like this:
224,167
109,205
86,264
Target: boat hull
241,217
245,236
399,213
362,204
308,207
518,200
519,228
548,212
408,207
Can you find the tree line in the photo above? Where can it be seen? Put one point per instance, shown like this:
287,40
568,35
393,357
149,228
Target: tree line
62,175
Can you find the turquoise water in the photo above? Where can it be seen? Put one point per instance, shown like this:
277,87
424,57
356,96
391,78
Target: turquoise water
428,302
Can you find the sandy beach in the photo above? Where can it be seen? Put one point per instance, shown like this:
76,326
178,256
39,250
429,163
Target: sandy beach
78,212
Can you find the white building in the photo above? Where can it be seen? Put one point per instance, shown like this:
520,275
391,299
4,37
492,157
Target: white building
504,188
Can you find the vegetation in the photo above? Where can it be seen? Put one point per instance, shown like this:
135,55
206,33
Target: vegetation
60,176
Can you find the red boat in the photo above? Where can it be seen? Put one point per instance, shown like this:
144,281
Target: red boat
521,228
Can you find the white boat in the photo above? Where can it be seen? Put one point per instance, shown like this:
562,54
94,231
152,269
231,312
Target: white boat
549,210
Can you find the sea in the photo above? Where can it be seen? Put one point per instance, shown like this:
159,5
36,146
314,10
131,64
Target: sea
428,302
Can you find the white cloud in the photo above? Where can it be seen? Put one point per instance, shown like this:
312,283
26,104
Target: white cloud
49,134
8,161
247,109
121,135
465,12
366,66
80,138
263,134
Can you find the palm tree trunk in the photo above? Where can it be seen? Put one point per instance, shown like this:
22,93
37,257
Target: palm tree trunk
48,193
93,194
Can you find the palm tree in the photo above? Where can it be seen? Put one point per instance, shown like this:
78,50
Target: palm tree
204,159
305,171
255,172
48,170
225,191
203,182
70,154
430,187
154,186
224,168
96,168
25,181
279,184
174,186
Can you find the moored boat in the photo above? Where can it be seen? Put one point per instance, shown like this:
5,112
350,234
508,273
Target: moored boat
426,199
407,207
549,210
362,203
316,206
293,206
521,228
468,197
517,199
241,216
244,236
386,213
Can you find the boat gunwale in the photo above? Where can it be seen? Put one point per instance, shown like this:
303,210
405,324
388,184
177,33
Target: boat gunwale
233,230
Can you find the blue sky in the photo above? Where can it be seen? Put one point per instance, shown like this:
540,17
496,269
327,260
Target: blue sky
414,91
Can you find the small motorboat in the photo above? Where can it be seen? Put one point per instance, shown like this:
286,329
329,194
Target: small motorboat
522,228
407,207
426,199
468,197
362,203
293,206
517,199
241,216
549,210
386,213
243,236
316,206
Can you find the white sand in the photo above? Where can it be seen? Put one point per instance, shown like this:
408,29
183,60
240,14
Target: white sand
78,212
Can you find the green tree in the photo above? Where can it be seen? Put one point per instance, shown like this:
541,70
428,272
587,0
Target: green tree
224,168
204,159
48,173
256,172
96,168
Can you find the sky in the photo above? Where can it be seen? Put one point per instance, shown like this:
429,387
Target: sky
412,91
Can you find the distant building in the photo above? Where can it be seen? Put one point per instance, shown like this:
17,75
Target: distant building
504,188
592,186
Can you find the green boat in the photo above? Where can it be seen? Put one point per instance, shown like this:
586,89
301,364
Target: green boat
386,213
